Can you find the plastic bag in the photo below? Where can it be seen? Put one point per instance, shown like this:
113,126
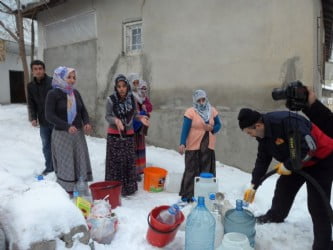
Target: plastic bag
102,222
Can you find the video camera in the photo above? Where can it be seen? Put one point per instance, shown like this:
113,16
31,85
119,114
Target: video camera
295,93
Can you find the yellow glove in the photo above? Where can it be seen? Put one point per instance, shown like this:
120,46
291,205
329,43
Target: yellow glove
249,194
281,169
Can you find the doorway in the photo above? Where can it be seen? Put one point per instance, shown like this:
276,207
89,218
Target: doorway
16,81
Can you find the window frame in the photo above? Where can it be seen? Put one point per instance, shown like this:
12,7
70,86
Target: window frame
128,26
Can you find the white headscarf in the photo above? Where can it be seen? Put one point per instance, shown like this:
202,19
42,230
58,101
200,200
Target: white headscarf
204,110
131,78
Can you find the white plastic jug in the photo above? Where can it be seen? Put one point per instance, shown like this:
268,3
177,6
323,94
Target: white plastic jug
205,185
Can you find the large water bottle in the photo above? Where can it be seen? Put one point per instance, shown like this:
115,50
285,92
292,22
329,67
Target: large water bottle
169,216
205,185
240,220
200,228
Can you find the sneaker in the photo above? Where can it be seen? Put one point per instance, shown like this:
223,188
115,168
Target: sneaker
267,218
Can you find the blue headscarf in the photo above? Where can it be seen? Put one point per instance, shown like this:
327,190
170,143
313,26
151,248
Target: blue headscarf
204,110
59,81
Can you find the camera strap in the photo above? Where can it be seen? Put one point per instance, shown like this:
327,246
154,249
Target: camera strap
294,138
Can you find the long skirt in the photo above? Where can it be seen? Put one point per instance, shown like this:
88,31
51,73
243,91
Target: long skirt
196,162
140,152
120,160
70,158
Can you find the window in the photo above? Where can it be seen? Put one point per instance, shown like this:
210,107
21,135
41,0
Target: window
133,43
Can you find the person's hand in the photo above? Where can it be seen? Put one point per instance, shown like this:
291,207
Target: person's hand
249,194
119,124
34,123
144,107
72,129
281,169
87,128
208,127
145,120
311,96
181,149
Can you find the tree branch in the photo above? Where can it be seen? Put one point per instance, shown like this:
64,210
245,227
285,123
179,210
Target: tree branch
9,31
7,7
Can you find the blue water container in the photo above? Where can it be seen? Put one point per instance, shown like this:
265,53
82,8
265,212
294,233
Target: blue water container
240,220
200,228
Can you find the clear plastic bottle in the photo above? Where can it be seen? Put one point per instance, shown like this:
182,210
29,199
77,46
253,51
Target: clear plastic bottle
170,215
200,228
82,187
240,220
219,230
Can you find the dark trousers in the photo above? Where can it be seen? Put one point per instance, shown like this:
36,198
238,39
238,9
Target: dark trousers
45,135
196,162
286,190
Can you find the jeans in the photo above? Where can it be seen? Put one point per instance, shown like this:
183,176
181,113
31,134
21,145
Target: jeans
45,135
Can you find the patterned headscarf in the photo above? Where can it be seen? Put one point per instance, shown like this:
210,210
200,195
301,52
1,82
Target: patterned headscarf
59,81
204,110
141,93
123,107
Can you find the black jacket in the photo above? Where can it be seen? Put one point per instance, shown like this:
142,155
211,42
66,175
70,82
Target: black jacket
56,110
275,141
322,116
37,92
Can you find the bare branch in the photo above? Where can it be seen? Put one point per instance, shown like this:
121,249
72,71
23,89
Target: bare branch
7,7
9,31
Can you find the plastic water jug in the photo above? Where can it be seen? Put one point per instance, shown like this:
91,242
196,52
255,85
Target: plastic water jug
240,220
205,185
200,228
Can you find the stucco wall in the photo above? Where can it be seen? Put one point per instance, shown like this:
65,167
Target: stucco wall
236,50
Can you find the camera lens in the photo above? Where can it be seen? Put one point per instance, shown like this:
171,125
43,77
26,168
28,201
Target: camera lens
279,94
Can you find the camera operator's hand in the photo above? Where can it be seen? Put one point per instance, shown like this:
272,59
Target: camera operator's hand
281,169
249,194
311,96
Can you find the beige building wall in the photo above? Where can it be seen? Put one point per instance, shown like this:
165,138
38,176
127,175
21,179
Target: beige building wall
237,51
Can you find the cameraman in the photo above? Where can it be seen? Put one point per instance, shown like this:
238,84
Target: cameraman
272,133
319,114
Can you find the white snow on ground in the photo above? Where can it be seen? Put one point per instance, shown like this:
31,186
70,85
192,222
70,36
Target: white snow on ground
21,195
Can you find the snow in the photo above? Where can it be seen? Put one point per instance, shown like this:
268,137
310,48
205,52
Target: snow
41,210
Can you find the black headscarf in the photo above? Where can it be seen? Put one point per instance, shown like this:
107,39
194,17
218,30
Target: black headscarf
123,108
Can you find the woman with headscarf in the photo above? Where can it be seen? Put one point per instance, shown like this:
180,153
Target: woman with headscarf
144,107
65,109
120,154
201,123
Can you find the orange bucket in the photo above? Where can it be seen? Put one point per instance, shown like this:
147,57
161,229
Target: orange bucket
154,179
160,234
99,190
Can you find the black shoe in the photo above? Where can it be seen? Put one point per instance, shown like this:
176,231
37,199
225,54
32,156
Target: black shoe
138,178
267,218
46,172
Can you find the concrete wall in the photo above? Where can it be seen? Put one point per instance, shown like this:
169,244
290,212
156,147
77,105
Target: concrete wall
236,50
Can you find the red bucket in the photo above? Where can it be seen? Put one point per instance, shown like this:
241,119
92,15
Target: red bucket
100,190
160,234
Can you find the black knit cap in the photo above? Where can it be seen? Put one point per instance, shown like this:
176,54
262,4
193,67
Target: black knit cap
248,117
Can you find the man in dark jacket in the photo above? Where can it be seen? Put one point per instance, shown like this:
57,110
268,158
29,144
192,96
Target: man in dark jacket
37,91
272,132
319,114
